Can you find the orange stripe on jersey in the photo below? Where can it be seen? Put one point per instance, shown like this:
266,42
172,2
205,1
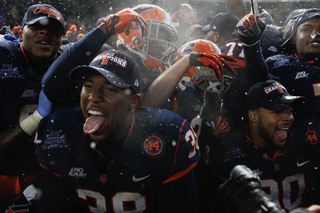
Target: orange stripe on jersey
180,174
178,143
24,53
43,165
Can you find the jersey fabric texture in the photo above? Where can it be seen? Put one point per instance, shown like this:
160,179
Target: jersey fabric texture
20,85
289,175
151,171
300,78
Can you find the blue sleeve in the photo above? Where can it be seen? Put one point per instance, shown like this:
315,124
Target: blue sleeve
56,83
256,67
178,193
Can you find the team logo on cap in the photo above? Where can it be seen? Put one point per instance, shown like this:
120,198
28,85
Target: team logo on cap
111,56
42,9
312,137
273,87
153,145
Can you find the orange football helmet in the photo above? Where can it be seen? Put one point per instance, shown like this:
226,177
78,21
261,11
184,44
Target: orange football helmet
157,48
198,74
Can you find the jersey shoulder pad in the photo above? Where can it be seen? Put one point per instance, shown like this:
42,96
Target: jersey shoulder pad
279,60
55,137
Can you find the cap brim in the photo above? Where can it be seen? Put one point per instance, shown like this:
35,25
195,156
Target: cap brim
60,25
206,28
285,101
81,73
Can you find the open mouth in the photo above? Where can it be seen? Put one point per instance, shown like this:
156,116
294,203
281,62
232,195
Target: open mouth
95,122
44,43
282,133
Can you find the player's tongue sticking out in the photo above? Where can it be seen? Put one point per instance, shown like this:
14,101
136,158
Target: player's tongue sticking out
94,123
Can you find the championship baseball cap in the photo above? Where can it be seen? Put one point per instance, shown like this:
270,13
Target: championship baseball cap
224,23
119,69
38,12
303,17
271,95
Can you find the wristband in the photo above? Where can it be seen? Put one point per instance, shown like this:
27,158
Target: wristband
30,124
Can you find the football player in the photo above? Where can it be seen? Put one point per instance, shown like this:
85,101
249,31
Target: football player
110,156
154,51
22,104
288,171
195,83
298,69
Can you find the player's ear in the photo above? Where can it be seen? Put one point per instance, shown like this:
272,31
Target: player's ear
216,37
253,116
135,101
20,35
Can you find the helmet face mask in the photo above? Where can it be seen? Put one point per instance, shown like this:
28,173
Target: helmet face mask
159,42
204,77
210,83
155,49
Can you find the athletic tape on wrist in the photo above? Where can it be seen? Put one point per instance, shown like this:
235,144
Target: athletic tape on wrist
30,124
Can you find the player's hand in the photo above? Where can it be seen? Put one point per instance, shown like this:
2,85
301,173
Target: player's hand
221,126
249,29
45,106
125,20
213,60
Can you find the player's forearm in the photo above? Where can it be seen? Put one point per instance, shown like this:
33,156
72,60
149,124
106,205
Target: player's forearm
256,67
11,140
57,85
161,89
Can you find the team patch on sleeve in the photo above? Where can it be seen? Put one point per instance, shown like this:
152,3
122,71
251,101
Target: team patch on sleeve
153,145
312,137
54,140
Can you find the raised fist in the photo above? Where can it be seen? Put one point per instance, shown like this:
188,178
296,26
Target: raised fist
249,29
125,20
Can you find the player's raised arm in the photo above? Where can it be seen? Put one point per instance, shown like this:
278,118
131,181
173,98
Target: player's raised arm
249,30
56,83
161,89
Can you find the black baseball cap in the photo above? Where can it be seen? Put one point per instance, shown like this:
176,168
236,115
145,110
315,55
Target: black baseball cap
271,95
38,12
224,23
119,69
303,17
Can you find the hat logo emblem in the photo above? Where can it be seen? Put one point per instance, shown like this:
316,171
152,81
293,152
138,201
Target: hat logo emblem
42,9
274,87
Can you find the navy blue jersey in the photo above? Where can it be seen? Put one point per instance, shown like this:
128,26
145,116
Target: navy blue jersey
234,48
196,106
289,175
151,171
299,78
20,84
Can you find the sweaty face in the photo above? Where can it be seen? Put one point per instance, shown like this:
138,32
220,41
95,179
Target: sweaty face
273,126
41,42
105,108
307,39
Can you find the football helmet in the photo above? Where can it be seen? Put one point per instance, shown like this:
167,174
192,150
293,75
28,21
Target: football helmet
156,49
201,76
